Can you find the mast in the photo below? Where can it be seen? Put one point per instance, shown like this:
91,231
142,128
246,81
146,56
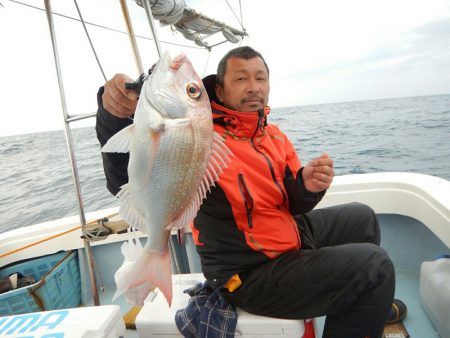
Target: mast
73,163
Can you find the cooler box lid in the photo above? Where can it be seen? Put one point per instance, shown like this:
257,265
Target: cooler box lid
157,319
86,322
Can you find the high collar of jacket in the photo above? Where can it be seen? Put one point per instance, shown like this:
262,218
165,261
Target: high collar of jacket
241,124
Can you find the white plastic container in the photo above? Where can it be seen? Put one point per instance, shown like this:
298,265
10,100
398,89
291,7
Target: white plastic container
157,320
84,322
435,293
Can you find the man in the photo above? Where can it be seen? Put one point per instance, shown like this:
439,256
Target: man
257,227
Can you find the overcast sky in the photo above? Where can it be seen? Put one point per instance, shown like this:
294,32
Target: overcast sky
318,51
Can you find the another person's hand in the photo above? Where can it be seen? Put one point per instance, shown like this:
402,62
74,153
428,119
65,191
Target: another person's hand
318,174
118,100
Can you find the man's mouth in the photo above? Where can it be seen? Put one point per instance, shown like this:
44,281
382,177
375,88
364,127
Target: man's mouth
252,100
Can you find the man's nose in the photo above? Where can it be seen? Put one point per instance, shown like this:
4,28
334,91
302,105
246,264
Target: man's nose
252,85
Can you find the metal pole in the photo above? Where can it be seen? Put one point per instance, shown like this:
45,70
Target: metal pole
79,117
69,142
131,36
149,13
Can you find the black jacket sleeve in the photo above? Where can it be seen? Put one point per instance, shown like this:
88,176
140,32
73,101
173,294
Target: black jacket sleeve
114,164
300,200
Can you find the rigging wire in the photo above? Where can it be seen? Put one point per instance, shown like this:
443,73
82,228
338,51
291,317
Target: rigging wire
237,18
241,21
240,10
90,41
206,65
138,36
84,23
102,26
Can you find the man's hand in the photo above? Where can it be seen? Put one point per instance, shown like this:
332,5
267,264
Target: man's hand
118,100
318,174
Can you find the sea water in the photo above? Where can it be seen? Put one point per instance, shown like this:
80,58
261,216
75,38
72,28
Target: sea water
403,134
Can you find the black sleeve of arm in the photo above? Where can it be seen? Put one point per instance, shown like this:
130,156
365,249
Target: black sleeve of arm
114,164
300,199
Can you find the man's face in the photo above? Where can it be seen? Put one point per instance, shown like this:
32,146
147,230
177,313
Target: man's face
246,85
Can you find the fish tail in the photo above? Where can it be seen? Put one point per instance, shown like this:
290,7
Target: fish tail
151,268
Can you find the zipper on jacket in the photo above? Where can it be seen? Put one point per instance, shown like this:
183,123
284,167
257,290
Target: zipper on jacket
247,197
260,126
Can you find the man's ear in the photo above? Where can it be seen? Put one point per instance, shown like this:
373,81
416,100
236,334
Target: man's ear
219,92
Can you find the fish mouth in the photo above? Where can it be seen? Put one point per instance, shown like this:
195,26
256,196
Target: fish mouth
178,61
166,63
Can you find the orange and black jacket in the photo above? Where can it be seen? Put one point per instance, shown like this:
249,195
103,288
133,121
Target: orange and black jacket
248,217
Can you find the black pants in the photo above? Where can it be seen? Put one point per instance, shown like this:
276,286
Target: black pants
340,272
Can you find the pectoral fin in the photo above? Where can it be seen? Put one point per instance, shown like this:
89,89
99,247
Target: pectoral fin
120,142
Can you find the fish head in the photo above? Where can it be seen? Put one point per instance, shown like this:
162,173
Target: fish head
175,90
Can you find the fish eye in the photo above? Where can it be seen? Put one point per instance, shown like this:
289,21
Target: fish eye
193,90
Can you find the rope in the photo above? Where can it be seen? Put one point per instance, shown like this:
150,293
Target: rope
48,238
168,12
191,24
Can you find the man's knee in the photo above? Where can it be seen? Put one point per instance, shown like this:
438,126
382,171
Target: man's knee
364,308
380,267
368,219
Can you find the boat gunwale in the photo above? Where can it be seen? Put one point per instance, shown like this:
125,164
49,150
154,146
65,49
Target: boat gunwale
387,193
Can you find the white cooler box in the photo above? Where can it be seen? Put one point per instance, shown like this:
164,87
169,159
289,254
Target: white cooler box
84,322
156,319
435,293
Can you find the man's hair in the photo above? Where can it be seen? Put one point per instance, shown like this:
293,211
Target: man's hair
244,52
